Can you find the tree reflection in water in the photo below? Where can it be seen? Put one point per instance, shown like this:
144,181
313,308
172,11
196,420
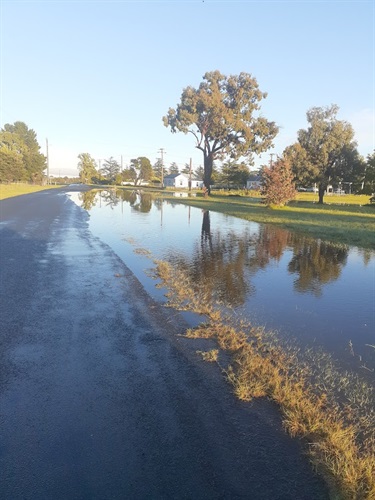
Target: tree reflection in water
269,245
206,237
138,199
220,263
223,264
217,264
107,197
88,199
316,263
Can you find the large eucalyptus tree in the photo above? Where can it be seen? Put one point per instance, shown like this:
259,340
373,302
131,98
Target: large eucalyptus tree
222,115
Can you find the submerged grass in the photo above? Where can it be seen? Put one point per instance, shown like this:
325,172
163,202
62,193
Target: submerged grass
333,412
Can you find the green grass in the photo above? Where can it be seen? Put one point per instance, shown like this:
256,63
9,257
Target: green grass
345,219
11,190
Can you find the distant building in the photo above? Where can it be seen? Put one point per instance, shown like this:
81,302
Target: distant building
254,182
181,181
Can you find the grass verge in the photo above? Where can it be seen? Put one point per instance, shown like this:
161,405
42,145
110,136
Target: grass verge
333,412
11,190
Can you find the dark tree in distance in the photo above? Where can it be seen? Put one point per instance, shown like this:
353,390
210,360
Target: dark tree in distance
17,142
157,168
174,168
186,169
12,168
368,183
234,174
110,169
323,151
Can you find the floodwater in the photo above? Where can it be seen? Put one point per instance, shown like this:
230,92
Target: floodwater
316,293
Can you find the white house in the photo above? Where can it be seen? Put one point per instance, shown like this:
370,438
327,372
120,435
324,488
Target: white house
196,183
254,182
181,181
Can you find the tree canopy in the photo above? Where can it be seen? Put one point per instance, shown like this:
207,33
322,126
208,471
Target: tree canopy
174,168
157,168
325,151
234,174
87,168
140,170
220,114
110,169
369,175
20,157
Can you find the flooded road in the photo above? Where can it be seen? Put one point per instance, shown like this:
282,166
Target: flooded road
99,396
314,293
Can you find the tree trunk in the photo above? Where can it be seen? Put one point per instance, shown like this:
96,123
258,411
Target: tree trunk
208,164
322,189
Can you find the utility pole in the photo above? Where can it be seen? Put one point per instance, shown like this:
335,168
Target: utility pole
162,166
47,162
121,164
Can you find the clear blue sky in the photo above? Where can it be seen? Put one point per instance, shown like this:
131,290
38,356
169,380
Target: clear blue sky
97,76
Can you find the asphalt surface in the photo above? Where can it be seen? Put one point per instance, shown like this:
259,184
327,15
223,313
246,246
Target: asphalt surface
99,396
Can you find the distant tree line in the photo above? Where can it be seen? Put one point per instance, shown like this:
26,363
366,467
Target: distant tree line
139,171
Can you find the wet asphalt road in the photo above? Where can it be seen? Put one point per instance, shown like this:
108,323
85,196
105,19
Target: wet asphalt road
99,398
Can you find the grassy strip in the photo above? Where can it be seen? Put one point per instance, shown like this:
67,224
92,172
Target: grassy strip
344,220
334,416
11,190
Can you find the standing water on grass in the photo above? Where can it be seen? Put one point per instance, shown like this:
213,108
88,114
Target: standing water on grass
317,293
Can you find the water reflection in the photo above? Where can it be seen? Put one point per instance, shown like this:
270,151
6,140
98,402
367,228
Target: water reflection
220,261
305,287
138,199
206,228
316,263
88,199
270,245
216,265
219,264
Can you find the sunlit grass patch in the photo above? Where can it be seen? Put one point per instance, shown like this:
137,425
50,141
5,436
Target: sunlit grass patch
332,411
11,190
210,356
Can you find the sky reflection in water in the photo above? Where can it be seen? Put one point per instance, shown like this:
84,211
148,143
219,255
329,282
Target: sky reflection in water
322,294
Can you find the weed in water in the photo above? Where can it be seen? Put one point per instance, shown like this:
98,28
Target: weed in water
332,411
210,356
